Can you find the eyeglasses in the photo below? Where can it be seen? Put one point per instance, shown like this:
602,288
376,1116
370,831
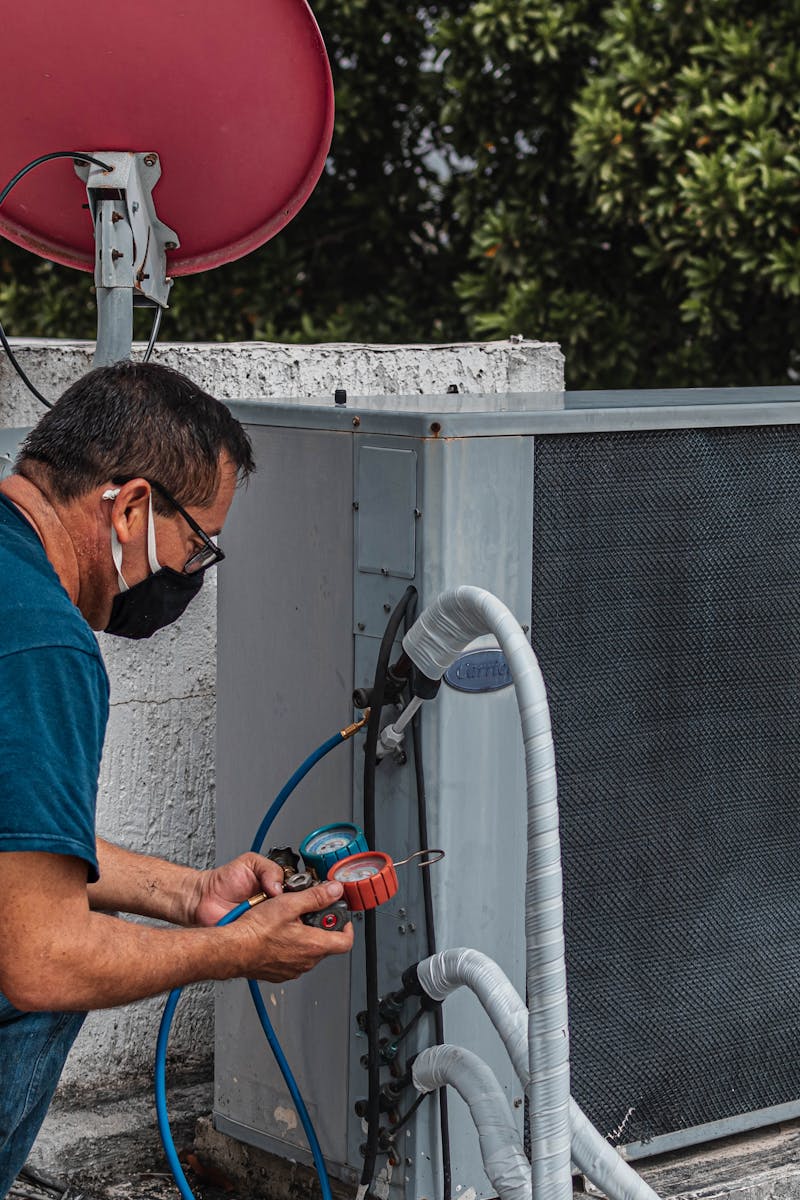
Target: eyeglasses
209,553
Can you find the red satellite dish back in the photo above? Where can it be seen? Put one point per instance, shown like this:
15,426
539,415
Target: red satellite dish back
236,98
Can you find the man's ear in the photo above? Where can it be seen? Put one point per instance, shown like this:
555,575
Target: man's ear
130,508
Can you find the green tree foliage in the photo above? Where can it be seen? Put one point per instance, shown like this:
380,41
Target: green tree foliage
687,144
649,221
622,177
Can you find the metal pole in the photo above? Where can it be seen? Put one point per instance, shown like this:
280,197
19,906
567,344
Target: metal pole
114,325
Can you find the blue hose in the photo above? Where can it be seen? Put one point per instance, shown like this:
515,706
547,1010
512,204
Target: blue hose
287,789
174,996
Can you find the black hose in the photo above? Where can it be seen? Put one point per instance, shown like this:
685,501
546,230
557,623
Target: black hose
12,358
407,1116
76,155
153,333
370,929
430,934
405,1031
373,1050
12,183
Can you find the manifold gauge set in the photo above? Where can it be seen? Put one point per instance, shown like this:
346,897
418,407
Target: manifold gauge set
340,852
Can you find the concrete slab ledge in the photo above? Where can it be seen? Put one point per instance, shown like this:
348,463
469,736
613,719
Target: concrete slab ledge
764,1165
108,1139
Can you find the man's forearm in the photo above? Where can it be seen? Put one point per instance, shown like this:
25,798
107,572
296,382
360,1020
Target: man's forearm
115,962
137,883
56,954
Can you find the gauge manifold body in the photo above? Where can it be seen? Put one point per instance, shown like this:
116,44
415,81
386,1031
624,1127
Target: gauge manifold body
368,879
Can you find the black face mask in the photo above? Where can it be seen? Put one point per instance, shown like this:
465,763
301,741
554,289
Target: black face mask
141,610
155,602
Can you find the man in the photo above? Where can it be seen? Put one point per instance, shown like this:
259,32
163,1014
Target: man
108,523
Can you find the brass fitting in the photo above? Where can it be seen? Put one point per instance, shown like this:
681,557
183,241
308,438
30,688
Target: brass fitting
353,729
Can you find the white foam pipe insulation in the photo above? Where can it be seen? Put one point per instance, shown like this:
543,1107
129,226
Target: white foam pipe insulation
442,974
435,640
504,1159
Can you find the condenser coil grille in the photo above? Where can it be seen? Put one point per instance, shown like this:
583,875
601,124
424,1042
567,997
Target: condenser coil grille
666,616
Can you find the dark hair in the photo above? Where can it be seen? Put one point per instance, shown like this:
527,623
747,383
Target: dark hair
137,419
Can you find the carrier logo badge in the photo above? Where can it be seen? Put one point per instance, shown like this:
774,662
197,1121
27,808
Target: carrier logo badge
479,671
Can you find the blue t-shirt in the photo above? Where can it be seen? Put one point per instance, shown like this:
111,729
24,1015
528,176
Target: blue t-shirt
53,704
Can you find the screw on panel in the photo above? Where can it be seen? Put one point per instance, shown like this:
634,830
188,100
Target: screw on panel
436,428
115,216
355,506
170,245
115,254
356,421
361,626
417,513
150,160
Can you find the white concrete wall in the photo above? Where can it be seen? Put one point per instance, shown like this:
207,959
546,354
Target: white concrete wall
157,777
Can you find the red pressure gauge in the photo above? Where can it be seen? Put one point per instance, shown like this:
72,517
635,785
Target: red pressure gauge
368,879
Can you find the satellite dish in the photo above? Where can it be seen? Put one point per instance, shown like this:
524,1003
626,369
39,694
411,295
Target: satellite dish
235,99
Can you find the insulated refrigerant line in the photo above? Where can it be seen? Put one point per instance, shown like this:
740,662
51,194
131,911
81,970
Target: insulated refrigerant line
441,974
504,1159
436,639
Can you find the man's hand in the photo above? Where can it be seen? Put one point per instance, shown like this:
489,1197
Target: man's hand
217,891
275,943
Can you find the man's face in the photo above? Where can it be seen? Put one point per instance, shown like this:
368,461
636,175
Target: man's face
175,540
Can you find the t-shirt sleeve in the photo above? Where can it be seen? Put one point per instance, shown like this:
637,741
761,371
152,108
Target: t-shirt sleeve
53,715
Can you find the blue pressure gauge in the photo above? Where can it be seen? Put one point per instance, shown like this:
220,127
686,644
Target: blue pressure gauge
326,846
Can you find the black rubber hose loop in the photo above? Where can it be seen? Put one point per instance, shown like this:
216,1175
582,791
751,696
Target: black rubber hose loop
370,929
